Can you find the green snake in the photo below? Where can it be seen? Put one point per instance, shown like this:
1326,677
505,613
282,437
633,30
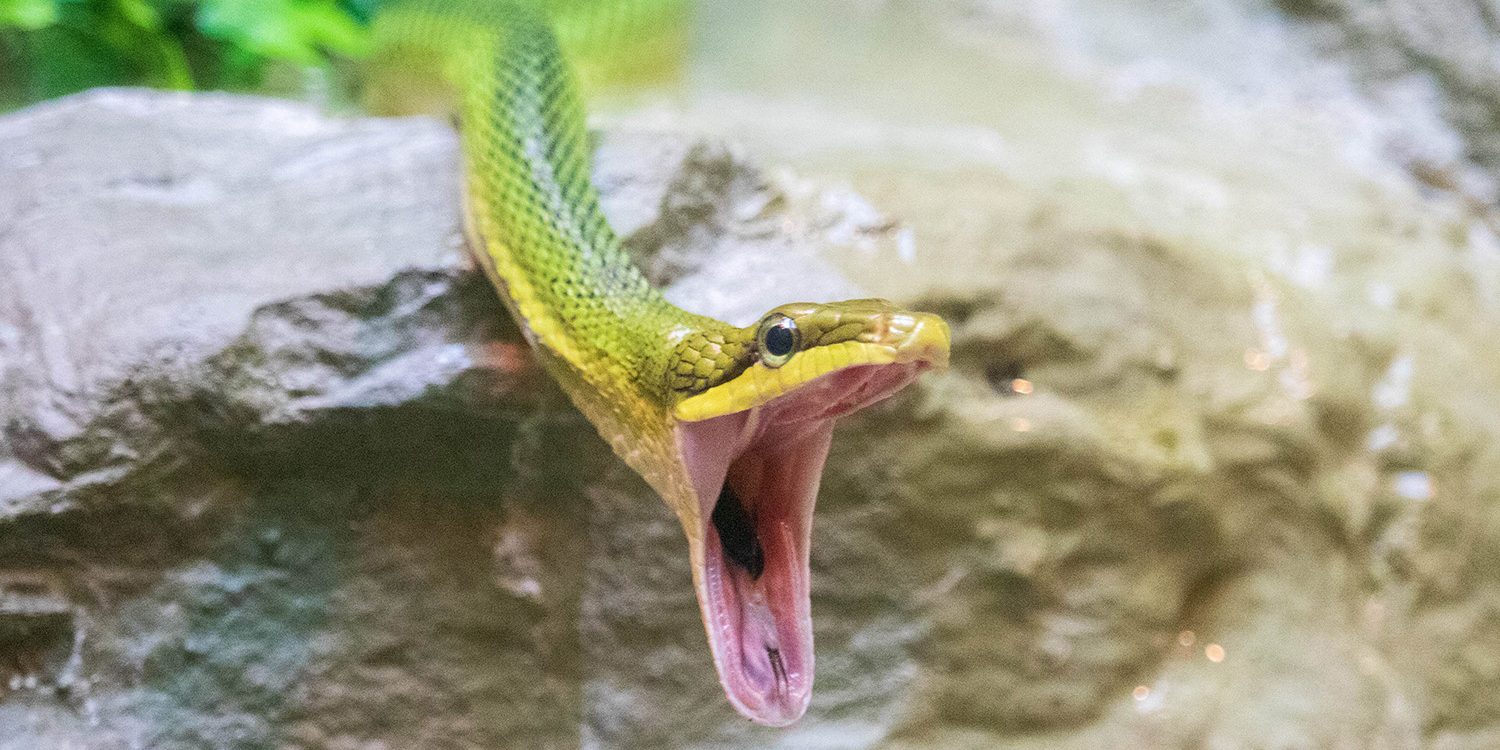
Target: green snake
730,425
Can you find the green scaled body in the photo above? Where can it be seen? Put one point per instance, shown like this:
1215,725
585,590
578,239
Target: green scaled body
702,410
535,223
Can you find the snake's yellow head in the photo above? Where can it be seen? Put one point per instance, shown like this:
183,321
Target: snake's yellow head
727,371
755,409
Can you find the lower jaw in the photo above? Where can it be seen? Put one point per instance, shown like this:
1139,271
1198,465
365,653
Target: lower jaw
763,651
760,627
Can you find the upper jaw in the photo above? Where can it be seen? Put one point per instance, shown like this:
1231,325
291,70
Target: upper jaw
893,338
918,337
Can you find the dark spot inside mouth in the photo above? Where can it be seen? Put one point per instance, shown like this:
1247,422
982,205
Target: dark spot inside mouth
737,533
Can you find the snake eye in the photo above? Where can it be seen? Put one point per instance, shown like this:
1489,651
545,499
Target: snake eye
777,340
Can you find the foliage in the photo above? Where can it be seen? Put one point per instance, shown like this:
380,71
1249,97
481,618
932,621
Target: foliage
53,47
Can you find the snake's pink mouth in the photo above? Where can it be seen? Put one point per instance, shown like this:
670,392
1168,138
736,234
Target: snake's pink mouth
756,474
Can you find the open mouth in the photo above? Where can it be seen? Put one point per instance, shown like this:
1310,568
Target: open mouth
756,473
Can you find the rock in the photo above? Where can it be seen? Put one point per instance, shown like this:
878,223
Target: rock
277,468
1439,50
1214,465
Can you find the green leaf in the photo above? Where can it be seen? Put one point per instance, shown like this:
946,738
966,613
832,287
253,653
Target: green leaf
27,14
139,13
294,30
65,60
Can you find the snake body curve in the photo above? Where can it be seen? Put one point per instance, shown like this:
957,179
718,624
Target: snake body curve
730,425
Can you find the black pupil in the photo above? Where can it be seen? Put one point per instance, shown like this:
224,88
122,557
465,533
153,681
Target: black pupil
779,339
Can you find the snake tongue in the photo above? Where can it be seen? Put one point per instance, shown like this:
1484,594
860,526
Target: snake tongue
756,474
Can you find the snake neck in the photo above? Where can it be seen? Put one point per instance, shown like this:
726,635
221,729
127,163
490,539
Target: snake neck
533,215
535,224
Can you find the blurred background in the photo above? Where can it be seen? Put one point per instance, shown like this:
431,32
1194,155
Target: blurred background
51,48
1215,465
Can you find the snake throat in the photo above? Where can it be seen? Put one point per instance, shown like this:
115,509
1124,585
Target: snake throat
737,533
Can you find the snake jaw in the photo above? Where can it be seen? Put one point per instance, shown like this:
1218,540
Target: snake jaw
754,445
769,459
759,617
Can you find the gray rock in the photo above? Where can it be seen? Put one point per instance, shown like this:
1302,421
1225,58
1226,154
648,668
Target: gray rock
277,469
1253,321
1214,466
140,235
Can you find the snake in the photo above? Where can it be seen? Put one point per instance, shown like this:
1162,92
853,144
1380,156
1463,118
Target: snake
730,425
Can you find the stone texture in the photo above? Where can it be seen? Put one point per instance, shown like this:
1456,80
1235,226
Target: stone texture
277,469
1246,274
1214,467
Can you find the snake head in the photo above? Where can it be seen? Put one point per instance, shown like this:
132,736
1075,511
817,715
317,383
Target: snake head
720,372
755,408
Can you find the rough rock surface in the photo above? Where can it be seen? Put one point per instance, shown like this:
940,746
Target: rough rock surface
1246,496
276,469
1215,465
